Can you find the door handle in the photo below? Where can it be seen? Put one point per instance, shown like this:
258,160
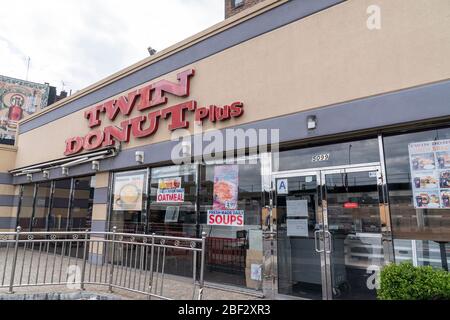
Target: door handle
316,242
330,237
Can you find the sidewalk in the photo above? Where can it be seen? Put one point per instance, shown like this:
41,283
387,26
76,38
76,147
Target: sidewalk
58,271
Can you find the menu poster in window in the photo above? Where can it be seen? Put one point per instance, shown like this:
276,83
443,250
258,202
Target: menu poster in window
172,214
226,187
430,174
256,272
170,191
128,192
297,208
297,228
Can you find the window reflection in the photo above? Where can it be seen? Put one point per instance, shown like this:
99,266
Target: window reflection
355,152
41,207
57,205
81,211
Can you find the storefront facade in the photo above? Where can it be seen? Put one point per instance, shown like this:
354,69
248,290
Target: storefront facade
311,156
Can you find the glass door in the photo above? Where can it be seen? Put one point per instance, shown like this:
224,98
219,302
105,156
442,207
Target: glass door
301,265
329,232
353,234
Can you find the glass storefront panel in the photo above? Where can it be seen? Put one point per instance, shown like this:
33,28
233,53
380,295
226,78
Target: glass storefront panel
421,235
173,211
26,207
57,205
41,208
83,200
173,201
59,213
340,154
234,248
421,252
129,202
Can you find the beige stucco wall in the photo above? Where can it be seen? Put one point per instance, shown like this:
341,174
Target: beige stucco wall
7,158
327,58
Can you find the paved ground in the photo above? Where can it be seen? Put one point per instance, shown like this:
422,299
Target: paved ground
34,268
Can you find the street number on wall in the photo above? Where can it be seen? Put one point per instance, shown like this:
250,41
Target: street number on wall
321,157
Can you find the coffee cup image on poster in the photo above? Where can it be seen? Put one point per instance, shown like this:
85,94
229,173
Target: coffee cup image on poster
445,198
428,199
443,160
430,174
128,191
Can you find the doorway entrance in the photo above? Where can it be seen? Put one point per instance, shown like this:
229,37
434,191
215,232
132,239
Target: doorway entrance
329,231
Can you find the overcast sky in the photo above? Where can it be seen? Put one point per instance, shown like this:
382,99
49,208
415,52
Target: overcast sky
83,41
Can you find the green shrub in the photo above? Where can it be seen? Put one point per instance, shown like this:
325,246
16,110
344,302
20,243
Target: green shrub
406,282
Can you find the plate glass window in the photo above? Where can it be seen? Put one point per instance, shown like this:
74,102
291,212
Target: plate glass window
129,202
417,188
234,250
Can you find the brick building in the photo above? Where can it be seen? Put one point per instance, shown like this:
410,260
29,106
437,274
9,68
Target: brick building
233,7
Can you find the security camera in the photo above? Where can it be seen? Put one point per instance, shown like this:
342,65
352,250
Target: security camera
140,157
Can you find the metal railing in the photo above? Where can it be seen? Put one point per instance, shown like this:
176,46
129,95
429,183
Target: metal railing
133,262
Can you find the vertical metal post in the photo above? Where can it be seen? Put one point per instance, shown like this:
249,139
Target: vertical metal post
13,266
443,255
202,267
69,227
152,252
19,205
50,207
83,268
33,211
111,270
386,219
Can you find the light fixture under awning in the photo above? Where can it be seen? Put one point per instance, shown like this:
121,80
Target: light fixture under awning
66,162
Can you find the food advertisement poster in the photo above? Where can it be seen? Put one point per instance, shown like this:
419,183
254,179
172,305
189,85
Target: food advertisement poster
430,174
226,194
18,99
128,192
227,218
170,191
226,187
